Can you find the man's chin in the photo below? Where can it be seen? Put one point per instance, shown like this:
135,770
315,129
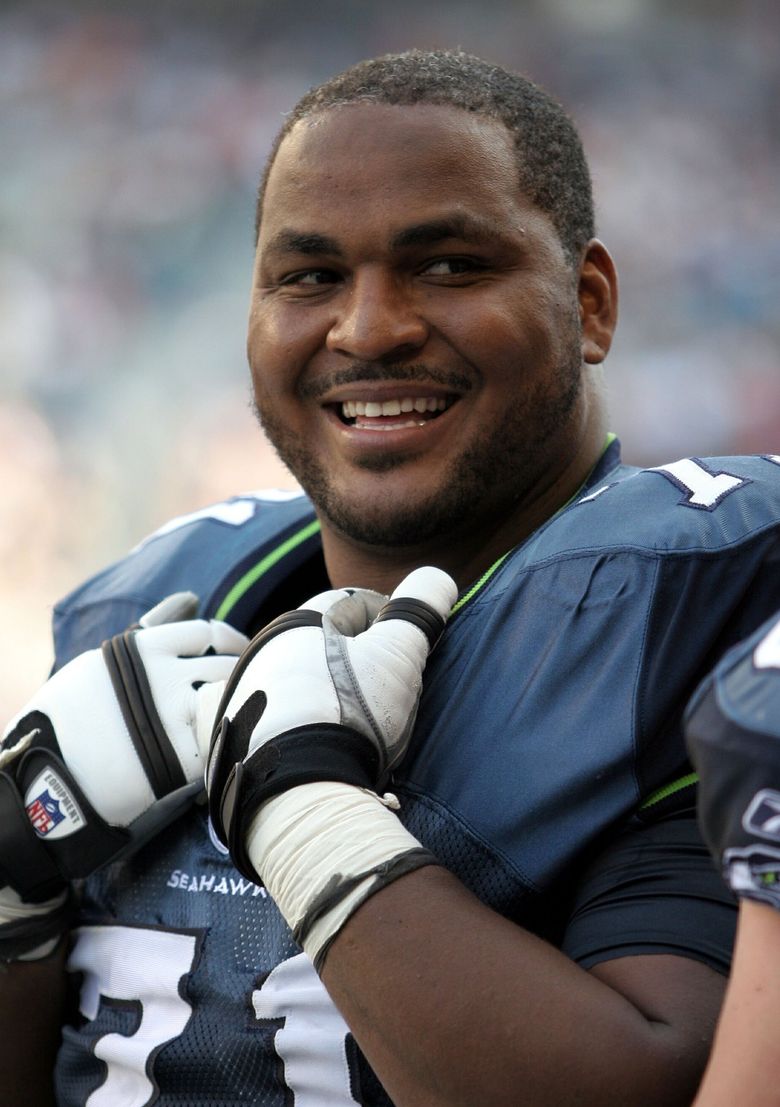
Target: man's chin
381,526
382,509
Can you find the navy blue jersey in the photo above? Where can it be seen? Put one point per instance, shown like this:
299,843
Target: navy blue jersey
547,770
733,734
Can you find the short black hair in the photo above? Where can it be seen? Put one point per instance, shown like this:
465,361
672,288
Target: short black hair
552,169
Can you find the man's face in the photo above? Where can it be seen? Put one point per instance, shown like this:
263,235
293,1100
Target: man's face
413,334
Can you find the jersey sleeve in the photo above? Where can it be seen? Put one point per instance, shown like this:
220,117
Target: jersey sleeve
653,889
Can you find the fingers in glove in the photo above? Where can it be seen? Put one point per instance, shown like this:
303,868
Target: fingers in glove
192,639
205,670
431,585
421,602
173,609
350,610
354,612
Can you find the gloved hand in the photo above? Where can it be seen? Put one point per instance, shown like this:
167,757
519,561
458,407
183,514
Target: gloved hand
108,752
733,735
316,714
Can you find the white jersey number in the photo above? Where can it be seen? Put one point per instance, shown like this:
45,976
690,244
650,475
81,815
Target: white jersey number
147,966
311,1043
127,963
702,488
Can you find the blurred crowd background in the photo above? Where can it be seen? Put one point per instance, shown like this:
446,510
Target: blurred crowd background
131,140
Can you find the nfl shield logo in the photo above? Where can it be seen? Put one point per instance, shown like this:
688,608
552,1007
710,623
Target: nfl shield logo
51,806
45,813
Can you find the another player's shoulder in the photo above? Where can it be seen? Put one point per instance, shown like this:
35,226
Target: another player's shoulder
746,688
202,552
685,506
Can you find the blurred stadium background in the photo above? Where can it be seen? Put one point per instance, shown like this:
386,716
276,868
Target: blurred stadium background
131,139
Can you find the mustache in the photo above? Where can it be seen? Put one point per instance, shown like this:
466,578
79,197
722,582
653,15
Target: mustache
361,371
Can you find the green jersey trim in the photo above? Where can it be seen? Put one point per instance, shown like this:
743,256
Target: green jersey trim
464,599
467,596
242,586
669,790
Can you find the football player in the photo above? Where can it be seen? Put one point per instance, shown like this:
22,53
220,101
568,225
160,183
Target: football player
733,731
486,886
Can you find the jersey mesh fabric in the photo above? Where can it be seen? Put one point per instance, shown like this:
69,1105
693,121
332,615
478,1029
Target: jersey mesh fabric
224,1056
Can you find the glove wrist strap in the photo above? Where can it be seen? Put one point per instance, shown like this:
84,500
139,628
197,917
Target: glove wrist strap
26,863
303,755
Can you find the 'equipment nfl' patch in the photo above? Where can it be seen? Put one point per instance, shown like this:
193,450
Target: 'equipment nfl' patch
51,808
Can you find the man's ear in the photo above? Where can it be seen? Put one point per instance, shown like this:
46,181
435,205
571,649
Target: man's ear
598,300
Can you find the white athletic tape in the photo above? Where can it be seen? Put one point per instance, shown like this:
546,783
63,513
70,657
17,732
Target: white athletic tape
318,835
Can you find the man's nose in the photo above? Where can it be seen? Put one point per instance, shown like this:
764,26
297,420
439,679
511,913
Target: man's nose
377,318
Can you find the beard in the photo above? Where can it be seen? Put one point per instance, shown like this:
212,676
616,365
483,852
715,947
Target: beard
493,473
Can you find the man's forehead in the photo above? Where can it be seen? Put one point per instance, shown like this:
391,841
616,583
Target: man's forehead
431,158
406,117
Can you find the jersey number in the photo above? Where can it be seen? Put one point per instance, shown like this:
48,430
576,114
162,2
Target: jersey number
702,488
147,966
311,1042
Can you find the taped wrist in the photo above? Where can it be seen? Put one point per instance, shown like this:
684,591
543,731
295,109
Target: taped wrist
322,850
31,931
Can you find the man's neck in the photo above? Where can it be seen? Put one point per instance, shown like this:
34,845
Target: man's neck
466,554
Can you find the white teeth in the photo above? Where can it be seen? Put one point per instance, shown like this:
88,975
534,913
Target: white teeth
372,409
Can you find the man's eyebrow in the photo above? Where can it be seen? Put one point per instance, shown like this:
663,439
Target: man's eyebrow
452,226
466,228
302,242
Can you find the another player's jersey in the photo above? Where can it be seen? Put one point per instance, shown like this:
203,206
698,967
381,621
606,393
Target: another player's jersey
547,747
733,732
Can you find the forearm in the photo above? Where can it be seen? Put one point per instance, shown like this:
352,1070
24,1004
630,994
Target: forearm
745,1062
31,1010
452,1004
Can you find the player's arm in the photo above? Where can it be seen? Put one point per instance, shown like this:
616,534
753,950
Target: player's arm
733,733
454,1005
654,880
745,1062
451,1003
107,753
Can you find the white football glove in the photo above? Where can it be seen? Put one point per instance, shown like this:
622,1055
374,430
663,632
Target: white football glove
316,714
107,753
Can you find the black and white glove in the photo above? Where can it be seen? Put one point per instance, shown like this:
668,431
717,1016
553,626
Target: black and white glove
316,714
108,752
733,735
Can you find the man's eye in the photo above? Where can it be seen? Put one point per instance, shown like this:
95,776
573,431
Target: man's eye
310,277
449,267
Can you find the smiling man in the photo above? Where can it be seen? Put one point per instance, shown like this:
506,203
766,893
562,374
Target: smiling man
415,338
484,886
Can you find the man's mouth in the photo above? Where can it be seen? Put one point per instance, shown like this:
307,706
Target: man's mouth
405,411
